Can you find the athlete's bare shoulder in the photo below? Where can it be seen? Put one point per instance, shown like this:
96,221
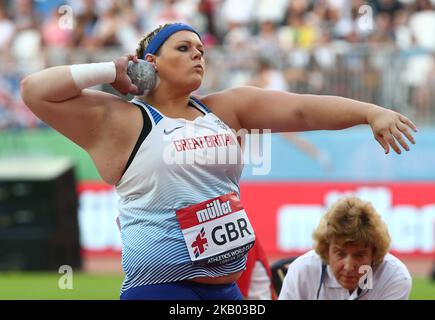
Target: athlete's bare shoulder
224,105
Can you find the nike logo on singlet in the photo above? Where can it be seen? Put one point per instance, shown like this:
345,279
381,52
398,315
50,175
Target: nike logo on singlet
165,131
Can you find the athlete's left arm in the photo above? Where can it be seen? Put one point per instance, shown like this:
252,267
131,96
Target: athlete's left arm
279,111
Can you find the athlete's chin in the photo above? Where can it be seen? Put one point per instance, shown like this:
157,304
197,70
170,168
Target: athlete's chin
188,84
194,83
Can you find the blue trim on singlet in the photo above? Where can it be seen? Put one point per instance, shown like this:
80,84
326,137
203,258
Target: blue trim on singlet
183,291
156,115
207,110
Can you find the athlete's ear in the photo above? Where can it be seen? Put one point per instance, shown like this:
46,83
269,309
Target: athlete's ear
151,59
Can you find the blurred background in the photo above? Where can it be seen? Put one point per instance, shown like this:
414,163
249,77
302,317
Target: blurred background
56,211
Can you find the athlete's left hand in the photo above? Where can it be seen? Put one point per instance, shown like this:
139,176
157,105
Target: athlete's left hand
389,127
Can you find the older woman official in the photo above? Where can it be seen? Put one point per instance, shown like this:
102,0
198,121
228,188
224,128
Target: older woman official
350,259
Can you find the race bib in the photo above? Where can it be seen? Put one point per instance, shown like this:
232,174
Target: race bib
216,231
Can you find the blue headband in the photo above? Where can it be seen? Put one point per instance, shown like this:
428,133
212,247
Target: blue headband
163,35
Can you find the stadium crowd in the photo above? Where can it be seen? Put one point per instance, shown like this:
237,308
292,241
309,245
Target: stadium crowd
352,48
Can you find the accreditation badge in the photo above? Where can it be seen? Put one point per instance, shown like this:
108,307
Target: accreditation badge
216,231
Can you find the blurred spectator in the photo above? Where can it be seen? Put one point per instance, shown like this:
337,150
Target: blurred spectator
106,27
424,99
27,50
268,77
266,42
169,13
24,15
241,64
341,19
44,8
383,33
319,46
85,20
237,12
7,30
389,7
52,33
270,10
207,9
402,32
6,115
13,113
128,32
422,24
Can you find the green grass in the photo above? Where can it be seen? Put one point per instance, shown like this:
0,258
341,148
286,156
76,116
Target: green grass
45,286
422,289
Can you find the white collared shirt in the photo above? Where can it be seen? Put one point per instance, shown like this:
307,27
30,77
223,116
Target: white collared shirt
391,281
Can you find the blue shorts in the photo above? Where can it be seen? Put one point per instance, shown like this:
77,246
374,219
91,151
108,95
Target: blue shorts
184,290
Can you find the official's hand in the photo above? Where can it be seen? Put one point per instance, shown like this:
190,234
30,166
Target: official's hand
122,82
389,128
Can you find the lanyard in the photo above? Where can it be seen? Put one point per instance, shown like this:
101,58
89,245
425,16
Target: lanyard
322,277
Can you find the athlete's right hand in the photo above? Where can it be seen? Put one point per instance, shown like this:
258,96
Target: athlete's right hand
122,81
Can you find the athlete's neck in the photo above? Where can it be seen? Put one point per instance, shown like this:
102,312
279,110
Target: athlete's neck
168,105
